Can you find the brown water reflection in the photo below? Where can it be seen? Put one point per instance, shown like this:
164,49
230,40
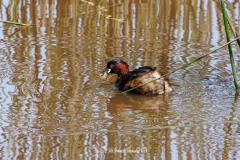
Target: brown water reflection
53,104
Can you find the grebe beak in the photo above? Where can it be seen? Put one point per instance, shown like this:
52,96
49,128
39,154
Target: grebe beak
104,73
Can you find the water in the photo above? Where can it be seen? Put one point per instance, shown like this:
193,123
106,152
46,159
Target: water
54,104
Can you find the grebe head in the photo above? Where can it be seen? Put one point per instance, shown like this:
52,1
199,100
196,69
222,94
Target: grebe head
116,66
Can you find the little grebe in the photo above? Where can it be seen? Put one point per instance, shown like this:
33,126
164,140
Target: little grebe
129,79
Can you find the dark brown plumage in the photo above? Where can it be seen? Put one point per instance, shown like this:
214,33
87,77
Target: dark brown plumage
129,79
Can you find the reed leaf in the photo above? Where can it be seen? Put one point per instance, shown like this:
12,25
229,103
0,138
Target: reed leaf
16,23
143,129
184,66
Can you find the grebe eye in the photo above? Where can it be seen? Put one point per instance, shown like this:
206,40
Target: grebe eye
111,66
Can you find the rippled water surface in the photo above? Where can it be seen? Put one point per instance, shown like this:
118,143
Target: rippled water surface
54,104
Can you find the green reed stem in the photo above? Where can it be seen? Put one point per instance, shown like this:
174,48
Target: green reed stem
16,23
184,66
225,20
